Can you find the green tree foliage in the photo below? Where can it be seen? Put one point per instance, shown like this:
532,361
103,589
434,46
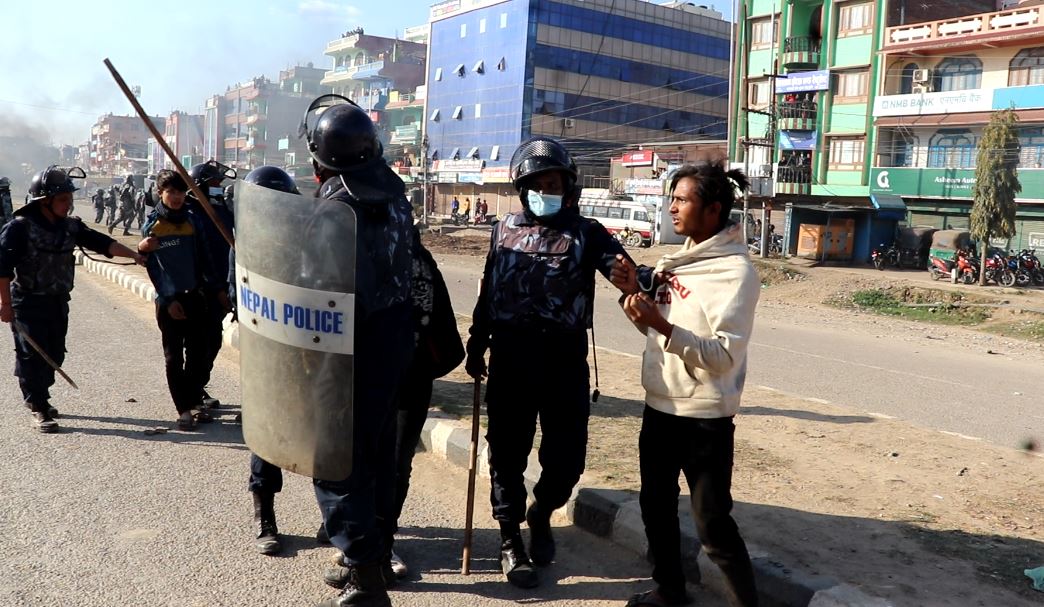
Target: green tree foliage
996,182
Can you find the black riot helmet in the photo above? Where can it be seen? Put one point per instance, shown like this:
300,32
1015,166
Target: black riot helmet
343,138
129,180
53,181
5,183
273,178
211,170
540,155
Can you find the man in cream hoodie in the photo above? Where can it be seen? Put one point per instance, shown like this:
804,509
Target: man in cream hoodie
697,317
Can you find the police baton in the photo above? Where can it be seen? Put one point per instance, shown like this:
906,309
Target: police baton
22,331
204,201
465,568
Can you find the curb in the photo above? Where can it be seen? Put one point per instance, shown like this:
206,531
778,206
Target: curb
609,513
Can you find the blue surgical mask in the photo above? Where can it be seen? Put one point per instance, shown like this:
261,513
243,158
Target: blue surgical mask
543,205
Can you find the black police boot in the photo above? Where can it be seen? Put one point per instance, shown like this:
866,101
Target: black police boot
364,587
541,542
44,423
126,232
264,517
515,564
210,402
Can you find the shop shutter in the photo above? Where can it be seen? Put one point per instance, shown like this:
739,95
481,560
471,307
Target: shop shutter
1029,234
926,219
957,222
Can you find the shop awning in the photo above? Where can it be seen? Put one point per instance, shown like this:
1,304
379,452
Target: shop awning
888,202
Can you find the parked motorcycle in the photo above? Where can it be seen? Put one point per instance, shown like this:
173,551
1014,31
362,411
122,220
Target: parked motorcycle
628,237
1029,262
942,268
967,267
883,256
1022,277
997,270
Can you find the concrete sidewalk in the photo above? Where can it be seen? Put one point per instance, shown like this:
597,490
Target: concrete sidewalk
612,514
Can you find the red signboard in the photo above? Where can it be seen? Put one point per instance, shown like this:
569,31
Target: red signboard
640,158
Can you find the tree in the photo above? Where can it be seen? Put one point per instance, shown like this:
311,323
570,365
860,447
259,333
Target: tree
996,183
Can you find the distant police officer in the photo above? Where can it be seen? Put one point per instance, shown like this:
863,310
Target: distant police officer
99,205
533,312
36,277
125,194
111,198
358,512
6,208
208,176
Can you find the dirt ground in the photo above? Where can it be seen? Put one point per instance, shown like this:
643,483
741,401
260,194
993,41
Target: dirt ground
913,515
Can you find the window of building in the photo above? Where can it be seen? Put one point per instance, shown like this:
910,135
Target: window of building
852,87
473,153
458,112
906,78
763,32
494,154
1027,67
502,64
951,149
455,154
459,70
463,30
760,93
846,153
503,20
958,74
478,110
480,67
435,115
855,19
438,74
482,26
1031,155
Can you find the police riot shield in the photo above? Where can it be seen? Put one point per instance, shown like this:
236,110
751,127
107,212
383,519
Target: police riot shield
295,290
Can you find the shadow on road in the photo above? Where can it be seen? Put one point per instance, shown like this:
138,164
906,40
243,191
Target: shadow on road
808,415
222,432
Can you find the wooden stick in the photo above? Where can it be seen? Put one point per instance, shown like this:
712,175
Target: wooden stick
472,472
204,201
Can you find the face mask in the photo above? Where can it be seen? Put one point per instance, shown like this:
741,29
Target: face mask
543,205
216,192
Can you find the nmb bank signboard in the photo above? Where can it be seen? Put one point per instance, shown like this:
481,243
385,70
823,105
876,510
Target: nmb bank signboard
945,183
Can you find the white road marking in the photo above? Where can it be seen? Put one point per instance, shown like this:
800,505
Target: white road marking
859,364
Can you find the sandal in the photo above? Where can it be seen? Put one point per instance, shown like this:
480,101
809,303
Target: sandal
654,598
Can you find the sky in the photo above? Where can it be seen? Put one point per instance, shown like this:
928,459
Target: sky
55,85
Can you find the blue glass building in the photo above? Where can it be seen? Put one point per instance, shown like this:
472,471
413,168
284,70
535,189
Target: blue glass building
600,75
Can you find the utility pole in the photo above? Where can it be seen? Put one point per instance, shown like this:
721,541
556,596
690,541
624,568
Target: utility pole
424,178
768,140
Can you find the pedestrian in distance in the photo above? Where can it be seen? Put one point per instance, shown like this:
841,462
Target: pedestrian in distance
36,277
465,210
347,158
697,317
535,306
182,273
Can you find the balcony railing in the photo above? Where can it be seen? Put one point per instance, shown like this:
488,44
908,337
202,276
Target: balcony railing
1012,21
792,174
801,44
801,109
347,72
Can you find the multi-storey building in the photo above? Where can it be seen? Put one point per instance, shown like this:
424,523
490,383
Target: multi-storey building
255,122
382,75
118,144
601,75
184,134
944,72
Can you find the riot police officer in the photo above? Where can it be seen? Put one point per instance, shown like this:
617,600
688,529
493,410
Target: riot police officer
208,177
266,479
6,207
358,516
99,205
36,276
533,312
125,194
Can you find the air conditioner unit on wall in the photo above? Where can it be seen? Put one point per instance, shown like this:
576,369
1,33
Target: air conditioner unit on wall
922,76
568,123
920,89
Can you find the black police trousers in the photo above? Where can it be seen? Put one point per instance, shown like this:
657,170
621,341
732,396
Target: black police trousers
99,213
185,350
533,375
702,450
46,319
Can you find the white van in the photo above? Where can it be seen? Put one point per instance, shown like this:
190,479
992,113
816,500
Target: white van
617,212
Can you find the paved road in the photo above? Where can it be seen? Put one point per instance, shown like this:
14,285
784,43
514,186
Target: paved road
917,379
102,515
